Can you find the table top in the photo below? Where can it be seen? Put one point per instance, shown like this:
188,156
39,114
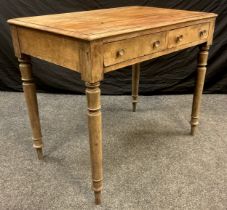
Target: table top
96,24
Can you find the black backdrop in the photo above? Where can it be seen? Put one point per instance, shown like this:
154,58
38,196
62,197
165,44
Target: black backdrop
171,74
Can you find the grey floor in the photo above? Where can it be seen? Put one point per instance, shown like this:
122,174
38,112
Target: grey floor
150,160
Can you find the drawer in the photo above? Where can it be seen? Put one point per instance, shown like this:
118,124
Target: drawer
187,35
123,50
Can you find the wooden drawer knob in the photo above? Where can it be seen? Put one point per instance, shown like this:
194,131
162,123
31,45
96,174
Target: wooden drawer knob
179,38
156,44
202,33
120,52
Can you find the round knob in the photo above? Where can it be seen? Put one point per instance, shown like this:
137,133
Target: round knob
179,38
156,44
120,52
202,33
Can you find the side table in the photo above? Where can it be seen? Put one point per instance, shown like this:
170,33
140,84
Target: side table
96,42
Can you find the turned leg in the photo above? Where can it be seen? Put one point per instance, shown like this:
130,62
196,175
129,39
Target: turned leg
201,72
95,137
135,84
31,101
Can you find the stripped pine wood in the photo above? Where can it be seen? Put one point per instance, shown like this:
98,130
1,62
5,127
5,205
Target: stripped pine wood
96,42
102,23
188,34
95,137
32,105
201,73
131,48
48,47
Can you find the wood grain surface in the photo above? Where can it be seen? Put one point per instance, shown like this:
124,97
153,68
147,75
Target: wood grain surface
102,23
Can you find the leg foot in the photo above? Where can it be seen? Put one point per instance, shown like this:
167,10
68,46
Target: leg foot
193,130
39,153
201,73
97,198
135,85
31,101
134,106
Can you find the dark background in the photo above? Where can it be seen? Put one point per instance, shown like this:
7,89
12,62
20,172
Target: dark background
171,74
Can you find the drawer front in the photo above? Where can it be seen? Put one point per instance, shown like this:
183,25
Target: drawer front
123,50
187,35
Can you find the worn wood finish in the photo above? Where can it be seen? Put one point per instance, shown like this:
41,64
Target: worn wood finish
123,50
188,34
135,85
156,30
99,24
201,73
91,61
95,137
15,39
49,46
151,56
31,100
96,42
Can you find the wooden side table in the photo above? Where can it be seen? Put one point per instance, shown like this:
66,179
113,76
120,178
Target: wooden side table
96,42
